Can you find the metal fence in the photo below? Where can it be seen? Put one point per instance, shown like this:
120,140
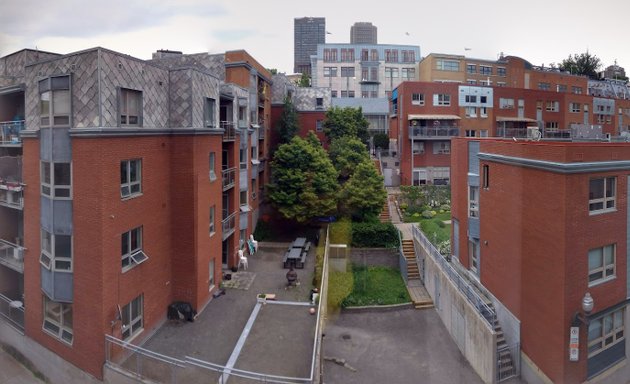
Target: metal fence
402,260
13,312
508,362
462,285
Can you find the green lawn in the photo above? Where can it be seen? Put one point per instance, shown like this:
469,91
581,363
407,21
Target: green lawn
376,286
431,227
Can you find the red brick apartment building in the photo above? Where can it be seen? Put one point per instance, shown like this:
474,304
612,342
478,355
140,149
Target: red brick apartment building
538,226
427,115
125,185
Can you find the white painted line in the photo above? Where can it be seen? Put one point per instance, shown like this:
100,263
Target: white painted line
239,345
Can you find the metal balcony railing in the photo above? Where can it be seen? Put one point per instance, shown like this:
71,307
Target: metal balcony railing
512,132
229,133
229,178
12,255
436,131
13,312
10,132
228,225
11,194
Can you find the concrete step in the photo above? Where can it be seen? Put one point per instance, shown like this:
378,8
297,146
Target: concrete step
423,306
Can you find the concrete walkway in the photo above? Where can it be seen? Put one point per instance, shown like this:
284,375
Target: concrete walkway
12,372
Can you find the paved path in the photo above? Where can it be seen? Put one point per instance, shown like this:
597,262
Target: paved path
12,372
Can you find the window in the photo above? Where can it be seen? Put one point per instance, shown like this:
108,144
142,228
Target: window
319,126
544,86
501,84
132,318
552,125
242,157
485,70
553,106
486,82
330,54
601,264
408,73
501,71
471,82
347,54
391,56
209,113
408,56
347,71
374,54
417,98
576,90
243,198
441,147
506,103
442,99
212,217
473,201
211,275
471,68
485,172
212,166
574,107
365,54
483,112
56,251
319,103
333,93
470,133
331,71
561,88
605,332
131,249
483,132
130,178
471,112
391,72
56,180
58,319
130,108
54,101
470,98
483,99
473,255
601,197
418,147
447,65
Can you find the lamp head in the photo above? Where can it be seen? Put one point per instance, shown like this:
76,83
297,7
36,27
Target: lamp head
587,303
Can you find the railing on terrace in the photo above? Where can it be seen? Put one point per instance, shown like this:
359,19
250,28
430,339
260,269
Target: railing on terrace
229,178
228,224
437,131
13,312
10,132
402,260
512,132
11,194
229,132
12,255
553,133
462,285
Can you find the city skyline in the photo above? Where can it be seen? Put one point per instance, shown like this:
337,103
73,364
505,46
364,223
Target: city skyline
265,30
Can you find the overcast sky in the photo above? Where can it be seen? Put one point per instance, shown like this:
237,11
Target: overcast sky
541,31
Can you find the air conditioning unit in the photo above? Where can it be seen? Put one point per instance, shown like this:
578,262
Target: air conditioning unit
533,133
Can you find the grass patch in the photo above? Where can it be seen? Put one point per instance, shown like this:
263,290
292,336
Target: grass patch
341,232
435,233
339,287
376,285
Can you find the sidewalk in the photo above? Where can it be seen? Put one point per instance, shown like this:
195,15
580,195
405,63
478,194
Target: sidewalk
13,372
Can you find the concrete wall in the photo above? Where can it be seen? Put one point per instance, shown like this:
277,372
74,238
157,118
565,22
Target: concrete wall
469,330
374,257
56,369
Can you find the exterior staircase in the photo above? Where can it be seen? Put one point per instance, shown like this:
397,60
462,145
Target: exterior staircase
385,216
419,295
505,362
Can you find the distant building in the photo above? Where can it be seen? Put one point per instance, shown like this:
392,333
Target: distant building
363,33
308,32
614,72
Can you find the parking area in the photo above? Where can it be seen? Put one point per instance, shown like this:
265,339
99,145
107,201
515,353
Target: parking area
280,340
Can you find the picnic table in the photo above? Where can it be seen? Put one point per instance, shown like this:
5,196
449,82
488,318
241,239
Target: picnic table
300,242
296,254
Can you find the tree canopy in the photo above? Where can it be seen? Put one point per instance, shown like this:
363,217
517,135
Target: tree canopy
304,81
304,182
363,194
583,64
288,124
346,153
346,122
381,140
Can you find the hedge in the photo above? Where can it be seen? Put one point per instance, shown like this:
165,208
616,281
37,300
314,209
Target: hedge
374,235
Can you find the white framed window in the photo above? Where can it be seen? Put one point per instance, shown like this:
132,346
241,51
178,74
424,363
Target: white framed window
505,103
417,98
408,73
56,180
330,72
473,257
553,106
319,126
601,264
485,175
470,98
58,319
473,201
131,249
210,113
485,70
418,147
606,331
212,166
441,147
56,251
501,71
447,65
552,125
132,318
483,112
212,218
574,107
576,90
130,106
602,194
471,112
130,178
544,86
54,101
471,68
471,133
211,275
442,99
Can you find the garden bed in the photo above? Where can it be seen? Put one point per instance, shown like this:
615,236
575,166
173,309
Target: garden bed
376,285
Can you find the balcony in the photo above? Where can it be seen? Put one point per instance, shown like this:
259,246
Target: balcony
229,131
11,194
10,132
12,256
229,178
438,132
517,132
13,312
228,225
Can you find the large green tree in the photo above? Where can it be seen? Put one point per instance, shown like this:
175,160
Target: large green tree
346,122
304,182
381,141
364,194
346,153
304,81
288,124
583,64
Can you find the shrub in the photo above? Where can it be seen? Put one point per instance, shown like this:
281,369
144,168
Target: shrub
403,206
375,235
428,214
263,231
445,207
341,232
